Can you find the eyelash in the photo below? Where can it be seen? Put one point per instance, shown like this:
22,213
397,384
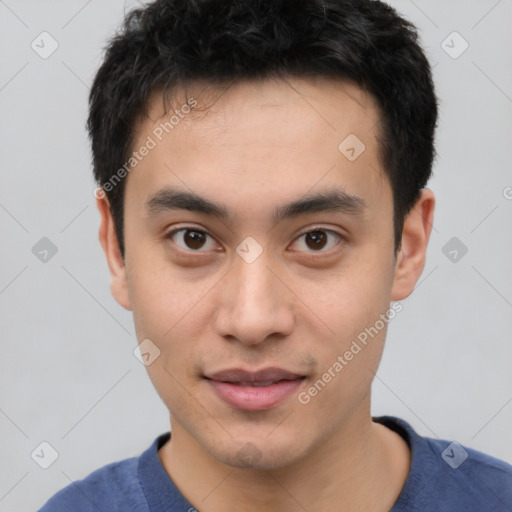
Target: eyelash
171,234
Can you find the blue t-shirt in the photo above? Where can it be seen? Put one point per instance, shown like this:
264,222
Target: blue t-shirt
444,477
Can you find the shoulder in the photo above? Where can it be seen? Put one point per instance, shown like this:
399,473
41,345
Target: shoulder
113,487
448,476
473,472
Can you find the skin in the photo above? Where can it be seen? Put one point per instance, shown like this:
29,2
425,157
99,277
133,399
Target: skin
258,146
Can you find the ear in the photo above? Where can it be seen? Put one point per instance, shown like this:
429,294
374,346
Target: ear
110,244
411,257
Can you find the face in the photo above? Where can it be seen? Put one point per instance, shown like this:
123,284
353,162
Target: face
282,258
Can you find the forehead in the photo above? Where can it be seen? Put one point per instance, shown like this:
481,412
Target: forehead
282,137
338,104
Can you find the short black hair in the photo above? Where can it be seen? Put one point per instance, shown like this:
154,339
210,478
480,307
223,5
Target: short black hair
168,44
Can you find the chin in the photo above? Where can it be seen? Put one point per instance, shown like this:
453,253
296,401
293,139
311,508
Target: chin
258,455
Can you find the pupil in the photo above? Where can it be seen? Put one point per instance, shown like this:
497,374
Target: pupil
318,238
194,239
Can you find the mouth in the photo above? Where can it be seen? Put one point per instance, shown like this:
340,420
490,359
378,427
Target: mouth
254,391
259,384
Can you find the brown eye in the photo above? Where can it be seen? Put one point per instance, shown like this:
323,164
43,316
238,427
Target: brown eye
318,240
192,239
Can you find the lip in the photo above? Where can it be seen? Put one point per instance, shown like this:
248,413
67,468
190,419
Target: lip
239,388
264,375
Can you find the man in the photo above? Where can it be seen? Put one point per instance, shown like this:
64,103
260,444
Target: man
262,169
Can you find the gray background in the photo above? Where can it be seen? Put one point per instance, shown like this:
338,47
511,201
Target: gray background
68,375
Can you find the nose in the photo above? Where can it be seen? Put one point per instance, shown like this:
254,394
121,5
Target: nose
254,304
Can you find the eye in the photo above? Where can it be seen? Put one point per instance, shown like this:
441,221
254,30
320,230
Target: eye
190,239
318,240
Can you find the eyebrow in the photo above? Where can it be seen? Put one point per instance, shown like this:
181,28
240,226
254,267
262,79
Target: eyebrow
332,200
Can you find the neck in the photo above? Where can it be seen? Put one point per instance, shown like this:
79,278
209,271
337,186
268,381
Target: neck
361,466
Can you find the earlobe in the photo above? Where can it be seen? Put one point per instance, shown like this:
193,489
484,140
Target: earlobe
410,260
110,244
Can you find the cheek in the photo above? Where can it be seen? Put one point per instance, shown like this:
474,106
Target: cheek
350,299
355,305
345,372
177,335
160,296
166,311
176,391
